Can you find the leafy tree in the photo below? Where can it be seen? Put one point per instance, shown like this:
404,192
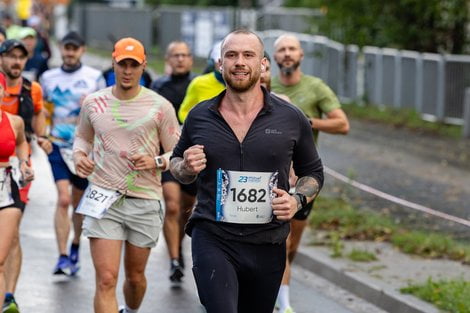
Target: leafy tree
244,3
422,25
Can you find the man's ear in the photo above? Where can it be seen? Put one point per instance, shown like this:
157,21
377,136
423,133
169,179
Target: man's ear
263,64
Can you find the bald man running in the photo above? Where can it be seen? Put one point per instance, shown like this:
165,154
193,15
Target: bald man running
324,112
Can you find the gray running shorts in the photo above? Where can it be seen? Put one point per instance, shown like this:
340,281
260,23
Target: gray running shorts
138,221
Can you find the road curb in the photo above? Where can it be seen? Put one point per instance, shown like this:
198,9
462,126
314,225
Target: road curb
387,299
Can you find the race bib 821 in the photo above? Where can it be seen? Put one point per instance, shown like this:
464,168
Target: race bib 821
96,201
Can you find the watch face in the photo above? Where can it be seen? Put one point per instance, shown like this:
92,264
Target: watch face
159,161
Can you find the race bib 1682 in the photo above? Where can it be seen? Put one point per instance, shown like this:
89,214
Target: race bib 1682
245,197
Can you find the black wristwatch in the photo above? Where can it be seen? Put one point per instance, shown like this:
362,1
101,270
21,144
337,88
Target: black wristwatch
302,199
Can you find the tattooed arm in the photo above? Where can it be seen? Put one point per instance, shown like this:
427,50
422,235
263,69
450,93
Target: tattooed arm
285,206
307,186
187,168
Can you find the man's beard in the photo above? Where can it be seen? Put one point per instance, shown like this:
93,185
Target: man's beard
70,62
288,70
10,74
241,86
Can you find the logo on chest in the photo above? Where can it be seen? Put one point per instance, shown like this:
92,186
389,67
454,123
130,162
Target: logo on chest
80,84
269,131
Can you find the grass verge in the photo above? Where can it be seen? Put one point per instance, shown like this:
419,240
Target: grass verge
342,221
155,60
358,255
406,118
453,296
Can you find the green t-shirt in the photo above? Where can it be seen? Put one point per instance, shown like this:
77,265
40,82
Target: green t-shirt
311,95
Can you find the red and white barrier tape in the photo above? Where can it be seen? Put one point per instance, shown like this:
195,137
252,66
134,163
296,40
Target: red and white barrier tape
394,199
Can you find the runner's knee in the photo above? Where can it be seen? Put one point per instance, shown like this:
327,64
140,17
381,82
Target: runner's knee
106,280
136,278
64,201
172,208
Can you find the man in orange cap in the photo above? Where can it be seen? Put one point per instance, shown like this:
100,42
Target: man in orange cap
123,126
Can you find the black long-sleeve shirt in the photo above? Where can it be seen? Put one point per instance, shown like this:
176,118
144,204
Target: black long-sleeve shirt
173,88
278,135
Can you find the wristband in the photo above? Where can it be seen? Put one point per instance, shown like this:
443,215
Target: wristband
302,199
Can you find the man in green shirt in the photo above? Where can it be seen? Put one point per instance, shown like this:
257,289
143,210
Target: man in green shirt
324,112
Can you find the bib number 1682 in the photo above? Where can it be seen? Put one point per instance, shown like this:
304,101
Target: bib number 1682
251,195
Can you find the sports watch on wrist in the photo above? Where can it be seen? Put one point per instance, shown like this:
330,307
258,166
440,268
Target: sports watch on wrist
302,199
159,161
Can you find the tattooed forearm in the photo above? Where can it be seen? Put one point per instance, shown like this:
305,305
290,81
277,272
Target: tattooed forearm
307,186
179,171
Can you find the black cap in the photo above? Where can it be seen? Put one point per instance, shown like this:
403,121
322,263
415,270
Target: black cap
11,44
73,38
266,55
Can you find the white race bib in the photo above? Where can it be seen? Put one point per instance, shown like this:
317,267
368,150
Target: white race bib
67,156
6,198
96,201
245,197
15,170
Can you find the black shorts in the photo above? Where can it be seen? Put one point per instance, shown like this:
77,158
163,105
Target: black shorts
190,189
234,277
15,193
304,212
61,171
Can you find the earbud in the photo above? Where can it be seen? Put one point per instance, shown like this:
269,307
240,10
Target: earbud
262,67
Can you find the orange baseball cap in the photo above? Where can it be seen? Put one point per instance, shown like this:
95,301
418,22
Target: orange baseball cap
129,48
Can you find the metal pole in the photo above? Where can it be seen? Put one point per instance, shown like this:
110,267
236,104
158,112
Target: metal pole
441,81
466,114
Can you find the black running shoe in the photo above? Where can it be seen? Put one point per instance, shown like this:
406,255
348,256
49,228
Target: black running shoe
176,273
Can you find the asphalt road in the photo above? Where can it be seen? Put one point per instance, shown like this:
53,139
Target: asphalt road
39,291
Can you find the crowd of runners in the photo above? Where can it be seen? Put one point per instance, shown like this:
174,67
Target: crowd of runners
227,158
